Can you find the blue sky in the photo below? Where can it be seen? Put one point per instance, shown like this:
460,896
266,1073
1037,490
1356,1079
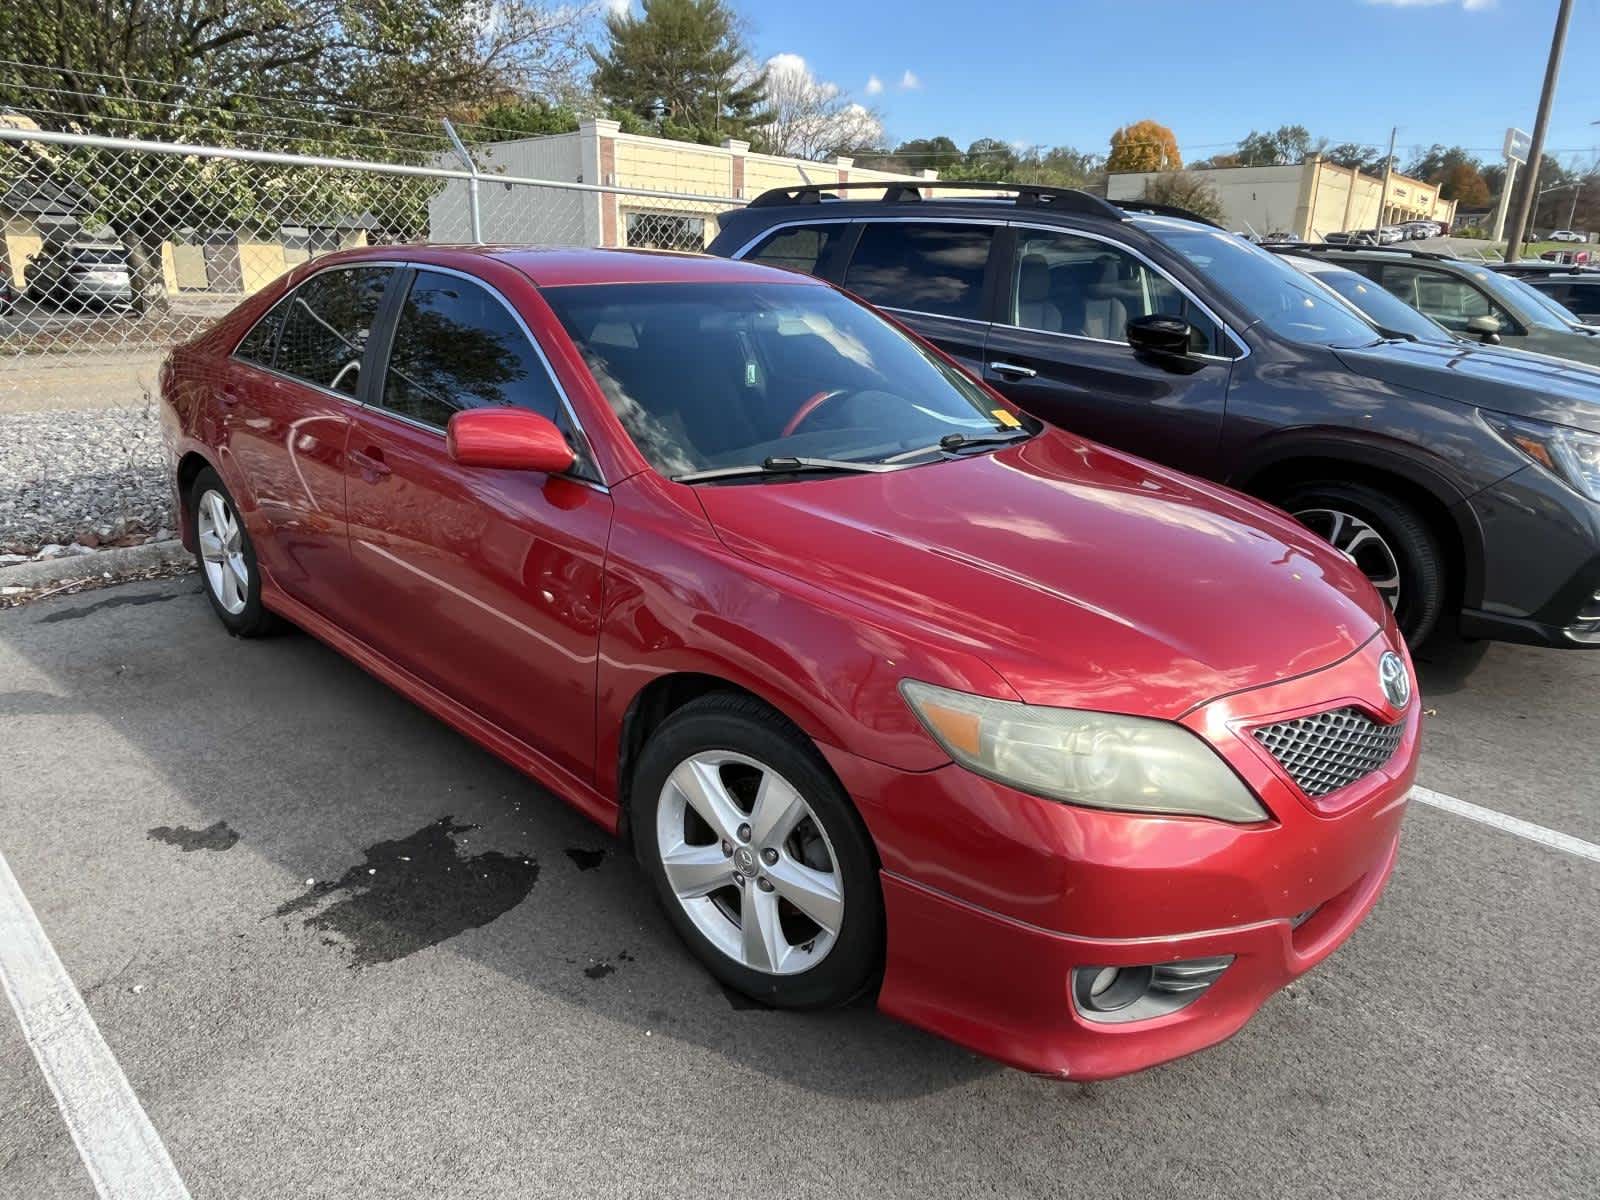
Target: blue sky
1068,73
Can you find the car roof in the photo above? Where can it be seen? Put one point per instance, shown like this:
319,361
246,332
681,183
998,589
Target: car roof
562,266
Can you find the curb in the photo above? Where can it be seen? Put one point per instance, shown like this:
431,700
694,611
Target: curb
119,560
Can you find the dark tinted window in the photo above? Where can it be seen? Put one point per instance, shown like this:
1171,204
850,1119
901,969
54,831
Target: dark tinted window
326,326
261,342
803,249
457,346
1076,285
925,268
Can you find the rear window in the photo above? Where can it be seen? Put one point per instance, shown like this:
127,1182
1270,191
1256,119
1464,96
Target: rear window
804,249
99,258
929,268
326,326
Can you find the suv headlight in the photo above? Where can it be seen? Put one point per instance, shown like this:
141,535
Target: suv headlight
1102,760
1571,455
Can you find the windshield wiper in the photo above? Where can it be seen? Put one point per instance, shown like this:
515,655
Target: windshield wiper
782,465
951,442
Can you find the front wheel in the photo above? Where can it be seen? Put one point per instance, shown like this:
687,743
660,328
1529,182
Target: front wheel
758,857
1387,539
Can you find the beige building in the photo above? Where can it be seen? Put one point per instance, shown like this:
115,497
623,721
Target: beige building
1314,198
599,153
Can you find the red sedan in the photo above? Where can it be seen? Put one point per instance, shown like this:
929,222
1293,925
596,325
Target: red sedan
1070,758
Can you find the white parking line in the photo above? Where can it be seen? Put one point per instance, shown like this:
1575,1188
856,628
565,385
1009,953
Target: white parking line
1512,825
119,1147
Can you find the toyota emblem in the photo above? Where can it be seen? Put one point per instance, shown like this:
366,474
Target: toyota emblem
1394,679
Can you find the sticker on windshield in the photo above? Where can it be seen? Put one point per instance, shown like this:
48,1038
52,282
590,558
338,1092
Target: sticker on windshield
1003,415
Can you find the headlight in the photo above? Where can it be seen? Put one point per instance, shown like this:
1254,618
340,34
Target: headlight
1571,455
1101,760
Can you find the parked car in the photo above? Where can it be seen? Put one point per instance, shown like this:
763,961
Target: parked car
1166,338
1418,230
885,680
1358,237
1576,289
1390,316
1475,300
1390,235
1567,235
80,275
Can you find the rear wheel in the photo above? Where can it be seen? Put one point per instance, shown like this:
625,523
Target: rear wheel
758,857
227,558
1387,539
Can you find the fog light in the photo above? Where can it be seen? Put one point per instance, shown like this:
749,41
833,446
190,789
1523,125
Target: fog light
1118,994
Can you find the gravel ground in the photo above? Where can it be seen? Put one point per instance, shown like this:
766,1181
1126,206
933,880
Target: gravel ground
87,477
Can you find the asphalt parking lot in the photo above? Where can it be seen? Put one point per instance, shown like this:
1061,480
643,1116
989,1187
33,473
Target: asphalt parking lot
338,950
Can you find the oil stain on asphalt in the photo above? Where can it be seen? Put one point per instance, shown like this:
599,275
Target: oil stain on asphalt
216,836
414,892
585,860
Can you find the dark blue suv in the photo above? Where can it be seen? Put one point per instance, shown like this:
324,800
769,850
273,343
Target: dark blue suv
1463,478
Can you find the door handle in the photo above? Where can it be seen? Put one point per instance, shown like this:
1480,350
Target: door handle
371,464
1012,370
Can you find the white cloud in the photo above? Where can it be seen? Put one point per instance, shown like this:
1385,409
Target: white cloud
1469,5
909,82
874,86
620,7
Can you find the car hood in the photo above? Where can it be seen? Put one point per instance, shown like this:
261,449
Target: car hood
1085,577
1495,377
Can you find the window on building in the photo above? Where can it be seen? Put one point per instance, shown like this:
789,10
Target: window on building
929,268
326,326
457,346
666,231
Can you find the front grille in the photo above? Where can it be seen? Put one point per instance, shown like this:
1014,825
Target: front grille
1326,751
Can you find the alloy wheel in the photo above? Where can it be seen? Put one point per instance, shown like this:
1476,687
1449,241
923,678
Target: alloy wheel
1362,544
222,551
749,862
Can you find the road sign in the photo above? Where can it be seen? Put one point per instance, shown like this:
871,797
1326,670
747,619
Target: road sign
1517,142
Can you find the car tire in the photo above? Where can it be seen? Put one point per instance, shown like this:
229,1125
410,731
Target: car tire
230,574
1387,538
730,756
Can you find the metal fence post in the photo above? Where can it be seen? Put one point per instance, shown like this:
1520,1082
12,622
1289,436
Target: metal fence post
473,214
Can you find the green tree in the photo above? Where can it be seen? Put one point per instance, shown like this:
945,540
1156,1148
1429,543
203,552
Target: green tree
1191,192
936,153
342,75
682,65
1144,146
1287,145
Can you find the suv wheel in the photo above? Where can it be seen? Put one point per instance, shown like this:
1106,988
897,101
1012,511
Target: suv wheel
1387,539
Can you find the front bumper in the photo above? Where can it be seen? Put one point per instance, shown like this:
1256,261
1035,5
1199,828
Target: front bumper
993,896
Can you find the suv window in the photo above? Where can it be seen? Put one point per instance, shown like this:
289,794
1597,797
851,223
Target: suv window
930,268
1075,285
800,249
326,326
456,346
1448,299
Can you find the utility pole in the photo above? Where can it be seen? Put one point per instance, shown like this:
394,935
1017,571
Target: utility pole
1572,213
1383,194
1552,71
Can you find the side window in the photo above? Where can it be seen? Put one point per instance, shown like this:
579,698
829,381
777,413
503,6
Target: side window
326,325
261,343
1448,299
1076,285
804,249
926,268
457,346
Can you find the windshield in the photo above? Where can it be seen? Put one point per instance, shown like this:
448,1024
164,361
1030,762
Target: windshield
97,256
706,376
1273,292
1380,306
1522,299
1548,303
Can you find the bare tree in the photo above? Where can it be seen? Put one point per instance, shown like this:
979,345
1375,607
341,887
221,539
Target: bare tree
811,118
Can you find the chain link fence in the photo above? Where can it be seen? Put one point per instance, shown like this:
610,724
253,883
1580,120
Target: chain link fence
113,250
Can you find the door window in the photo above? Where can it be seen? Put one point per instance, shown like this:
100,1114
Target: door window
261,343
803,249
457,346
327,324
925,268
1448,299
1074,285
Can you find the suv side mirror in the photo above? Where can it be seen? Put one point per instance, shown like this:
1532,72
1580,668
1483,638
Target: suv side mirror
1162,337
1486,328
511,439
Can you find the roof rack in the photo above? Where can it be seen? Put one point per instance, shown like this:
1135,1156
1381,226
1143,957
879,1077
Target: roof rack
897,191
1343,248
1165,210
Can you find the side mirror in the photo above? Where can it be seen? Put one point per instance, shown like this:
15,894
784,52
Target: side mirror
512,439
1157,334
1486,328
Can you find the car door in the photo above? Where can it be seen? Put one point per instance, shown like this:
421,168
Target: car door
287,403
485,583
934,276
1058,349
